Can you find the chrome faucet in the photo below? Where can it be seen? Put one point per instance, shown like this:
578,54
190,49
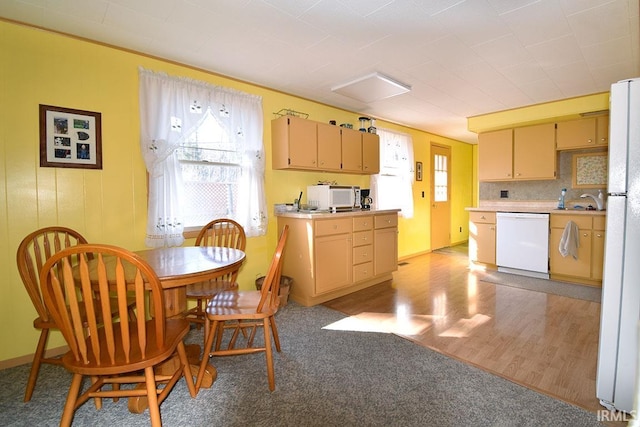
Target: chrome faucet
598,201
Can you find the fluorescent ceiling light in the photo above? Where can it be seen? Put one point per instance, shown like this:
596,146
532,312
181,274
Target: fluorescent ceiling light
372,87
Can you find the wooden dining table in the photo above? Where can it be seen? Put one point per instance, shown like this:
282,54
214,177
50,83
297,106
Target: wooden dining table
180,266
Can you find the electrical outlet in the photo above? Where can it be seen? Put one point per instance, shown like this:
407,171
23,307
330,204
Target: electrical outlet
423,194
504,194
461,229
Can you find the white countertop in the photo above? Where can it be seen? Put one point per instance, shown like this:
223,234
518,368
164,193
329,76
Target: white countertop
324,215
532,206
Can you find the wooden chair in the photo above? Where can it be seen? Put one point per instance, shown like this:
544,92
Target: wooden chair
251,309
113,349
222,232
32,253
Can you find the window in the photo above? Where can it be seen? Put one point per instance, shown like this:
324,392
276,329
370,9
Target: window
202,146
210,165
440,178
392,187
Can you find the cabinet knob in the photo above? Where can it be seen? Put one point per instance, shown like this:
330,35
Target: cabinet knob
603,139
589,141
492,228
584,235
598,235
482,217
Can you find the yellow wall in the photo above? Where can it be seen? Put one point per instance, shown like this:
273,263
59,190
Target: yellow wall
109,205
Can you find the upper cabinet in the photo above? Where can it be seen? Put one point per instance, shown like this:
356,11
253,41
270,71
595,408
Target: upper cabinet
303,144
524,153
495,155
534,152
294,143
583,133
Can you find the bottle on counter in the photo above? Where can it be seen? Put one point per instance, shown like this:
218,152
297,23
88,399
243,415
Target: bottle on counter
561,198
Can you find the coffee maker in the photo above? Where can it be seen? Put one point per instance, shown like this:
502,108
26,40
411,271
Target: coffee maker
365,200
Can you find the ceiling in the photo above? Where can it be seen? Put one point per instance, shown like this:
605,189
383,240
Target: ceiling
461,58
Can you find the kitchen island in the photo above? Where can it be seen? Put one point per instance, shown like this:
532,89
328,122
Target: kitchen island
585,268
330,255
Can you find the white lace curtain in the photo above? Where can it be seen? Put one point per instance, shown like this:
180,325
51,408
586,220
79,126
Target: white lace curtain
170,109
392,187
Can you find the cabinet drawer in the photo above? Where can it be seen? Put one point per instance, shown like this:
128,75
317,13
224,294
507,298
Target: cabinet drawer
363,238
362,271
599,222
332,226
482,217
386,221
362,223
362,254
560,221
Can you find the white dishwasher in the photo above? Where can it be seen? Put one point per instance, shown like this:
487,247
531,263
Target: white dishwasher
522,243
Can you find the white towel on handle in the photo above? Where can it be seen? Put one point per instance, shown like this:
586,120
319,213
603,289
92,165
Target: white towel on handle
569,242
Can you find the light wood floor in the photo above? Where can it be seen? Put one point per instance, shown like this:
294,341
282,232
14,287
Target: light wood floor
545,342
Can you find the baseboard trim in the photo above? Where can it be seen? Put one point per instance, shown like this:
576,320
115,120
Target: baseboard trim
28,358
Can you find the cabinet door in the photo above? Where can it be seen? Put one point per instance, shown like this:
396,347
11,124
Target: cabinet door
495,155
569,266
597,254
370,153
385,250
483,248
328,147
303,143
576,134
351,150
534,152
333,260
602,131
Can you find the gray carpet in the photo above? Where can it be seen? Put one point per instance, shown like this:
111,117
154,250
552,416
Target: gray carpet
323,378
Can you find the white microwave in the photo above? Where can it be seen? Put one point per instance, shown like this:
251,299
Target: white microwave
333,197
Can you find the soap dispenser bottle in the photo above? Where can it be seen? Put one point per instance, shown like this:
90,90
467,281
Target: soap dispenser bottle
601,198
561,198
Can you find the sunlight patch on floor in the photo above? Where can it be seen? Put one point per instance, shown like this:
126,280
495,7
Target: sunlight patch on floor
463,327
387,323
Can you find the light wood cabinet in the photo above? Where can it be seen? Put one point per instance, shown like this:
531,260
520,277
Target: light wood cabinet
302,144
386,244
294,143
586,268
351,150
329,155
333,247
482,237
495,155
525,153
534,152
592,132
331,255
370,153
362,248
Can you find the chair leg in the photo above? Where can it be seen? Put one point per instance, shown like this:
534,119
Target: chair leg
208,344
70,405
186,369
269,355
35,365
274,329
152,397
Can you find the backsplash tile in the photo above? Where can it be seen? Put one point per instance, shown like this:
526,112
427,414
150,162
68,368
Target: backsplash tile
546,190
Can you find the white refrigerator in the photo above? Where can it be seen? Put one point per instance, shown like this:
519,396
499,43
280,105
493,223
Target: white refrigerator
620,308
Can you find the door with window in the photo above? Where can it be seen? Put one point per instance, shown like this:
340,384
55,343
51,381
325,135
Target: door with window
440,196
